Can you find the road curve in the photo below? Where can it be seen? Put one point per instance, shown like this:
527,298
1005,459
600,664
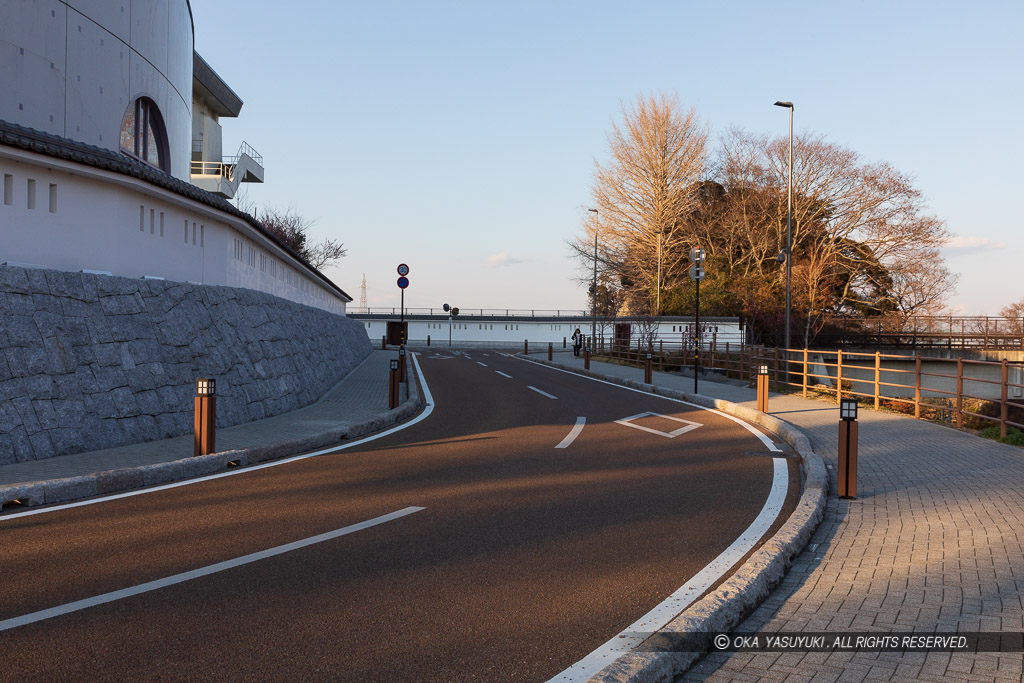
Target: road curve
520,558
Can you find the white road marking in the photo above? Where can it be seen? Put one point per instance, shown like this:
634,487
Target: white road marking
690,426
769,444
481,364
542,393
503,374
428,408
197,573
687,594
577,428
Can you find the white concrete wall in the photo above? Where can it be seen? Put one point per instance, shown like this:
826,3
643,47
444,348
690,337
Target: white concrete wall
105,221
73,67
512,332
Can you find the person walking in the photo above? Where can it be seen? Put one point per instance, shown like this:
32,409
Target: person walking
577,342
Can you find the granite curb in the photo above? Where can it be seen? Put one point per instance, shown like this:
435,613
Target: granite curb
69,489
725,607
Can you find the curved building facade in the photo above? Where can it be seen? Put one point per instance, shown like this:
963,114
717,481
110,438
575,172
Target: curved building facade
111,156
116,74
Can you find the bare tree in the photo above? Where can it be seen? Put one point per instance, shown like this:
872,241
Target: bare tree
293,229
657,156
861,240
1014,310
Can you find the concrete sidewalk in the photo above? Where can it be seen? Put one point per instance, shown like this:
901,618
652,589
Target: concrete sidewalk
357,405
933,542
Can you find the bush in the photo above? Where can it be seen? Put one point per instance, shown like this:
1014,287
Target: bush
1014,436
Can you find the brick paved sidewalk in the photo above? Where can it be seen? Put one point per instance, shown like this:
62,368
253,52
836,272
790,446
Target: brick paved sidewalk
933,542
359,397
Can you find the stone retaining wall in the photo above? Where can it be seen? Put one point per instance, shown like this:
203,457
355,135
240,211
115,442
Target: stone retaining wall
93,361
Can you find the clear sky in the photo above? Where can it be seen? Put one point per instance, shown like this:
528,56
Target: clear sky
460,137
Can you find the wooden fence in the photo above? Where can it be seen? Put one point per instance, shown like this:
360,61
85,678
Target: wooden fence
957,391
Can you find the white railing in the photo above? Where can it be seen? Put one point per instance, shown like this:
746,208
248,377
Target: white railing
226,167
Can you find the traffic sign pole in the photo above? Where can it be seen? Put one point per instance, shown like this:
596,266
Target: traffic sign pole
696,351
403,282
696,274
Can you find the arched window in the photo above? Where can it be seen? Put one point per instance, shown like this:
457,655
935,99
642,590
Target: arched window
143,134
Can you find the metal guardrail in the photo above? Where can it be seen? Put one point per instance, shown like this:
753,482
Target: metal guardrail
246,149
214,168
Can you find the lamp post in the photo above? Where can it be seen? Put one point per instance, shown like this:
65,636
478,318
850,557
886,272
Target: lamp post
593,292
205,416
789,220
846,482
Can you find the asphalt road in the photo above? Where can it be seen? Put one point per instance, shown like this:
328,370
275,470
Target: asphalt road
523,559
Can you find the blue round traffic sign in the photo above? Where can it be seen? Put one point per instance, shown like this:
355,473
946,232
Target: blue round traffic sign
403,282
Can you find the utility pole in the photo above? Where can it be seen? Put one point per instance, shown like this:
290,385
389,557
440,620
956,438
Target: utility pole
593,292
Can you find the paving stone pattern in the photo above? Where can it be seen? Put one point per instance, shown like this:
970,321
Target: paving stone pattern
933,542
90,362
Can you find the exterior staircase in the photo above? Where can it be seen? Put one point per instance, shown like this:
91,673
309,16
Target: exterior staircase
222,177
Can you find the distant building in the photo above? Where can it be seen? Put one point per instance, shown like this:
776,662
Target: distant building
111,153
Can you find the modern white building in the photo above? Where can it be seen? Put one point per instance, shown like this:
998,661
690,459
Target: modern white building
111,155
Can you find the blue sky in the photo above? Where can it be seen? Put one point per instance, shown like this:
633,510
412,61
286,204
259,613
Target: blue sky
460,137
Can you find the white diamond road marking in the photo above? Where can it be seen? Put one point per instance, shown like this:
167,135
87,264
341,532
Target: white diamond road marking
690,426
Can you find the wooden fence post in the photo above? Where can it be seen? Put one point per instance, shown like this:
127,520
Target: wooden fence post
1003,408
959,391
805,372
839,376
917,385
878,376
776,369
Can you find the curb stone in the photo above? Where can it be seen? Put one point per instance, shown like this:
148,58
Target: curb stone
127,478
725,607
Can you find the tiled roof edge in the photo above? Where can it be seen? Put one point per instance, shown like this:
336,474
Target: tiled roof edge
59,147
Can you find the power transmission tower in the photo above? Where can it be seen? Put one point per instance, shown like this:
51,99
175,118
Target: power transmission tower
362,296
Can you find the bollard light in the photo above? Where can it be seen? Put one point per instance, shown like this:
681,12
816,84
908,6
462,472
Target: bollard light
205,441
762,388
846,481
394,380
848,409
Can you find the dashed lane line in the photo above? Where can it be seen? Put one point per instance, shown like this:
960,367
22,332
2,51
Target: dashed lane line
542,393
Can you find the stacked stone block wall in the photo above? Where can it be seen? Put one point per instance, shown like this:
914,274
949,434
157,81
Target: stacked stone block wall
92,361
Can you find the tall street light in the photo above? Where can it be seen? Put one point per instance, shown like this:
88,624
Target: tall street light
593,330
789,221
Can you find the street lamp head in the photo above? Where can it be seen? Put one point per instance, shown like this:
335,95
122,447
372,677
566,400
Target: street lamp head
592,210
784,104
